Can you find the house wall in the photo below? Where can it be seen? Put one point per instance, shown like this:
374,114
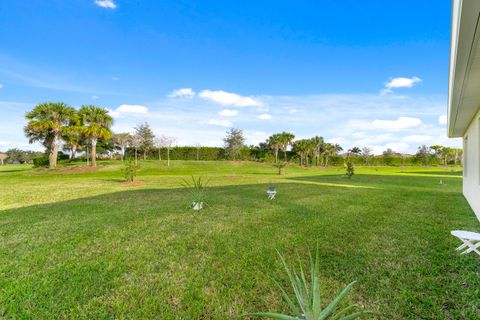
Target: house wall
471,168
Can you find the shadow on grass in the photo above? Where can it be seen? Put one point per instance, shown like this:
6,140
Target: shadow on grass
14,170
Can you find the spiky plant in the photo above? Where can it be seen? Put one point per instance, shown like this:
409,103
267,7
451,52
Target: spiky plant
197,189
306,304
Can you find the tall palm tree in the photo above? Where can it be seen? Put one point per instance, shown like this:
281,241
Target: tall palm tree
318,145
286,139
302,148
329,150
73,136
96,124
275,143
47,123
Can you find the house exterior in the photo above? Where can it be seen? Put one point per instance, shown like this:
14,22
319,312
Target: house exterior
464,93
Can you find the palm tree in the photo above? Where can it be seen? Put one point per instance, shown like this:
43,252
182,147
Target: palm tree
275,143
73,136
331,150
47,123
96,124
437,149
318,145
447,153
286,139
302,148
355,151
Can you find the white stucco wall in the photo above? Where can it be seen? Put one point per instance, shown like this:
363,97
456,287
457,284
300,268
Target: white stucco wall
471,169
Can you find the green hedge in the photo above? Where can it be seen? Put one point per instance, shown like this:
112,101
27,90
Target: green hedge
262,155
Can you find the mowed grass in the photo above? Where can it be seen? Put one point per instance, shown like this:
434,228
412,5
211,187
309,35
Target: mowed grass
79,244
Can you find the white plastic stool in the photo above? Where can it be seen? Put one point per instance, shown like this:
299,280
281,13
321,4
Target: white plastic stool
471,241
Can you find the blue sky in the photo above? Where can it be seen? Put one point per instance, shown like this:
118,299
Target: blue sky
366,73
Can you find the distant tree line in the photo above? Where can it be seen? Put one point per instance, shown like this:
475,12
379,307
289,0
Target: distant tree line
17,156
87,131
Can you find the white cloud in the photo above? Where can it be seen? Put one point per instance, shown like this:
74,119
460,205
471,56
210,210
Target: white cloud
131,109
292,111
95,97
182,92
400,82
228,113
229,99
346,119
1,86
264,116
115,78
417,138
336,140
221,123
443,119
4,143
397,146
396,125
106,4
255,137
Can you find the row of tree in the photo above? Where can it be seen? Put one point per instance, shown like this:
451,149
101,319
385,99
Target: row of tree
143,140
56,124
89,127
315,148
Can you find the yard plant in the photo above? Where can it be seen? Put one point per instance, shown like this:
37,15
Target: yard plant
198,192
306,303
130,170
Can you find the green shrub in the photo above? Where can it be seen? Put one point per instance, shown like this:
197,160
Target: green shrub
40,162
350,171
130,170
268,158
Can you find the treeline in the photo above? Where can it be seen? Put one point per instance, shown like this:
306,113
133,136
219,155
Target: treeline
250,153
17,156
86,131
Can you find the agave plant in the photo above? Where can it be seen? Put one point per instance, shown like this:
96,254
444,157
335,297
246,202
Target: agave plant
198,192
308,298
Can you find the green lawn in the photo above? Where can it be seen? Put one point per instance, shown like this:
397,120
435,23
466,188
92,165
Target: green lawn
81,245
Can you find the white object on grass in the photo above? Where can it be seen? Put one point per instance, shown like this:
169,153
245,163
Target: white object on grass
271,194
197,205
471,241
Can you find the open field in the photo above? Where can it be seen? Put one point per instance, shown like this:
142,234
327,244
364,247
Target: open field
78,244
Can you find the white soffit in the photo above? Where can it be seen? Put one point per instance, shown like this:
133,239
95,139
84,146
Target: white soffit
464,73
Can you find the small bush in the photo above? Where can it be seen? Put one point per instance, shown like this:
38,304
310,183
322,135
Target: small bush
130,170
40,162
268,158
350,171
